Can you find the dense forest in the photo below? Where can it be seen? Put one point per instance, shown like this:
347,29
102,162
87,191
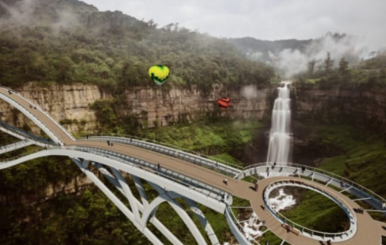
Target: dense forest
368,74
73,42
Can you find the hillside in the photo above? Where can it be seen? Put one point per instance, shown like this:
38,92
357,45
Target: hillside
69,41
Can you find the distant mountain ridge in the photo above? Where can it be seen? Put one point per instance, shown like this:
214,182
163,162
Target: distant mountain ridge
292,56
264,50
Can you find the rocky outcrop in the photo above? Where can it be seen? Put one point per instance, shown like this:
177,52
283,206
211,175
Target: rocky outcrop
164,107
70,104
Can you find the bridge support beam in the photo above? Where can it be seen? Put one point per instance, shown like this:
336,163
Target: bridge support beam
117,202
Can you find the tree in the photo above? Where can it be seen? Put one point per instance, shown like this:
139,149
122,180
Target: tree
311,68
328,63
343,67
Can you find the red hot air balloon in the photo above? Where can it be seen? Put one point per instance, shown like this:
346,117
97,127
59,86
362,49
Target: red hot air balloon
224,102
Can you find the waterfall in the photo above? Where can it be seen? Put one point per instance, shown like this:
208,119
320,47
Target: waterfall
279,138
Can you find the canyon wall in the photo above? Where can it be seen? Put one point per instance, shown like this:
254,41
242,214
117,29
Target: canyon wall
364,108
70,104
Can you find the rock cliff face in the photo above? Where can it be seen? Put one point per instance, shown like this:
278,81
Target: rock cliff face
67,104
359,107
164,107
70,104
312,105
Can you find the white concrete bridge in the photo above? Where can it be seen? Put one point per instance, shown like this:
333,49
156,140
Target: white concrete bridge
174,173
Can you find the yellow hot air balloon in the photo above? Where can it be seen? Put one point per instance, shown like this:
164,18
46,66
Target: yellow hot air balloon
159,74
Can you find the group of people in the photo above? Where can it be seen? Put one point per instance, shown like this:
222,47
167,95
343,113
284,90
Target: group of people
358,210
109,143
225,181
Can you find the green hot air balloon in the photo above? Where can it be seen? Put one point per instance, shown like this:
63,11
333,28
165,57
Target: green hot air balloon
159,74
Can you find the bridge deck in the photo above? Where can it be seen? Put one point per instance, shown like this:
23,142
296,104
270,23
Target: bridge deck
368,232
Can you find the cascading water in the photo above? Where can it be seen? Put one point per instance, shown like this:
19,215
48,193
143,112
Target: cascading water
280,139
278,152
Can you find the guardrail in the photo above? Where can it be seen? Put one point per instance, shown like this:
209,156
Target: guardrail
344,182
205,189
3,161
42,111
234,227
16,145
28,112
25,134
304,230
229,169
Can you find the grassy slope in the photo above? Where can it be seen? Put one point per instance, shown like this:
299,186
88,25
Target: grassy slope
362,159
219,139
317,212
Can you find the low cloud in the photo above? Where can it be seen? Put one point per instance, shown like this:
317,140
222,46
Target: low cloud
26,13
19,13
251,92
352,48
66,19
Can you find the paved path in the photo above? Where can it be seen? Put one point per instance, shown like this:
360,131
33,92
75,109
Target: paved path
368,233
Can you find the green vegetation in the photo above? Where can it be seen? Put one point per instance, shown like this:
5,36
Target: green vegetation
362,155
377,62
271,238
317,212
225,158
238,202
219,225
369,75
223,140
115,52
85,218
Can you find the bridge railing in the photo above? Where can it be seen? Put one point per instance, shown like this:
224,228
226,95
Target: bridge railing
205,189
325,235
16,145
344,183
183,154
25,134
235,226
176,177
41,110
9,159
29,113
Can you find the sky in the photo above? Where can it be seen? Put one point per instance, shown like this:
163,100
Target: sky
262,19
